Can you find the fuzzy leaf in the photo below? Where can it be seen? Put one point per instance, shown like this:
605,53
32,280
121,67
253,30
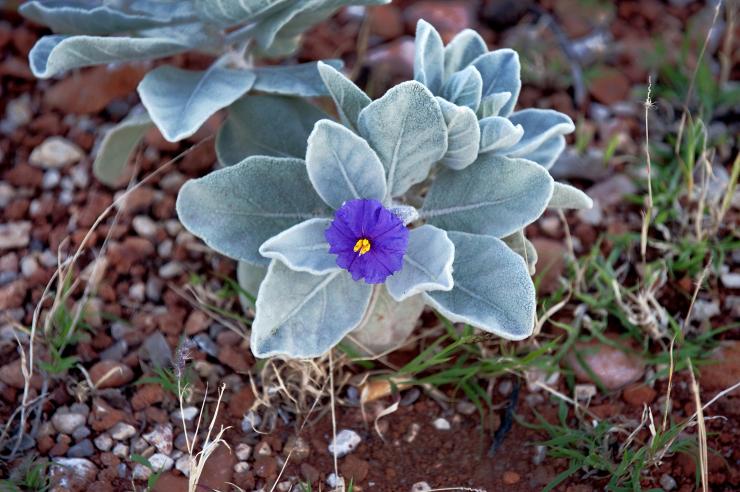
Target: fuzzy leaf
292,80
466,46
303,315
236,209
524,248
493,290
463,135
55,54
539,126
429,60
500,71
427,264
464,88
406,213
387,324
547,153
180,101
496,195
232,12
349,99
407,130
266,125
288,23
493,104
303,247
250,278
117,146
566,196
96,20
497,133
342,166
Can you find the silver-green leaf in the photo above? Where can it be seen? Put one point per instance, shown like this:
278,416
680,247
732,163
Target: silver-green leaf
463,135
266,125
500,71
342,166
493,290
303,315
427,264
496,195
498,134
292,80
117,146
349,99
466,46
407,130
429,61
539,125
235,209
303,247
524,248
464,88
180,101
55,54
566,196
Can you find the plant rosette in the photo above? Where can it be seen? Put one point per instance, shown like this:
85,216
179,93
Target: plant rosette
346,232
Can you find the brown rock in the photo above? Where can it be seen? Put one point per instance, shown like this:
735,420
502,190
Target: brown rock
511,477
353,468
169,482
724,368
12,295
610,86
310,473
11,375
234,358
96,204
146,395
110,374
101,486
386,21
639,394
551,257
448,17
394,60
218,470
241,402
104,416
72,474
265,467
196,322
139,200
24,176
103,84
613,368
133,250
16,67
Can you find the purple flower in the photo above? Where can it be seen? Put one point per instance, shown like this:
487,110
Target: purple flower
368,239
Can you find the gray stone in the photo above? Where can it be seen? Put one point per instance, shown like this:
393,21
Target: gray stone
442,424
171,270
731,280
344,443
51,179
122,431
55,152
183,465
251,421
121,450
69,472
144,226
81,433
612,190
15,235
29,266
161,438
421,487
66,422
668,482
82,449
161,462
243,451
103,442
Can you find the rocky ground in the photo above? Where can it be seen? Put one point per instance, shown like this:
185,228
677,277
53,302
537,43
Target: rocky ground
102,409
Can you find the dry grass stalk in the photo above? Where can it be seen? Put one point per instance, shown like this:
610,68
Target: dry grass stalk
702,430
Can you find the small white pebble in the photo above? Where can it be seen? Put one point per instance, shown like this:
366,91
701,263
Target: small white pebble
421,487
344,443
442,424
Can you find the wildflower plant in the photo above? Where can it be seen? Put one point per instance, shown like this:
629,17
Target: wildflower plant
373,223
178,101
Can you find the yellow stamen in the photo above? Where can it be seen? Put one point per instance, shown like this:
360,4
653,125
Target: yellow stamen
362,246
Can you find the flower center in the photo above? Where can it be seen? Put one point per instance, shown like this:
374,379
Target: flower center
362,246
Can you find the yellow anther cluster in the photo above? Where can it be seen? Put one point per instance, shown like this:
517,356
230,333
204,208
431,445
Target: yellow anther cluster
362,246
